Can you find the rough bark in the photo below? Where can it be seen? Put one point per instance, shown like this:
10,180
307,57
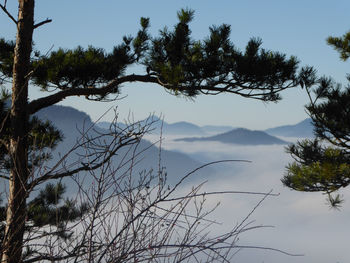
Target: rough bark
16,212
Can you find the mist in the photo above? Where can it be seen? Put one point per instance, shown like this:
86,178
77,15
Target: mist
296,222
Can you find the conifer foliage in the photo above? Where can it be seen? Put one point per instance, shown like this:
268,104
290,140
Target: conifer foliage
47,209
323,164
173,60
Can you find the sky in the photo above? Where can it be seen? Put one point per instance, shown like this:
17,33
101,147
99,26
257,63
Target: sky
296,28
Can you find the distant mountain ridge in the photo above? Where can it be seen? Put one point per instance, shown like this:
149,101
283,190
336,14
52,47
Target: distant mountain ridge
240,136
177,128
64,114
303,129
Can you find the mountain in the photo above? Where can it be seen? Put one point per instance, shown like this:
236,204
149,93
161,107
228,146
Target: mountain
74,123
182,128
64,117
240,136
104,125
177,128
303,129
158,125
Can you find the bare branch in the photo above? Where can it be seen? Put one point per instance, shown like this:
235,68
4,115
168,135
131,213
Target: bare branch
42,23
119,141
3,7
221,193
269,248
4,177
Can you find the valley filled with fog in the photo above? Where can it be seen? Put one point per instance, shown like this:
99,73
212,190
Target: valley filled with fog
292,222
302,222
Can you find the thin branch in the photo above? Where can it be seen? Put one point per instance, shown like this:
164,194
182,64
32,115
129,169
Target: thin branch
220,193
42,23
269,248
199,168
5,177
3,7
84,167
45,256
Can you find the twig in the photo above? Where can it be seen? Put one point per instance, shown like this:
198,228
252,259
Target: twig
3,7
222,192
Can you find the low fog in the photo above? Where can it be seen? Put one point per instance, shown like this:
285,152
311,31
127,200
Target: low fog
293,222
302,222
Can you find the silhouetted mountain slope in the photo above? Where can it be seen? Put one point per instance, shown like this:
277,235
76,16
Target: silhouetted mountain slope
301,129
240,136
73,123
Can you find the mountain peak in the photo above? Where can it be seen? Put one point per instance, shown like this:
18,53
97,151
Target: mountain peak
241,136
301,129
59,112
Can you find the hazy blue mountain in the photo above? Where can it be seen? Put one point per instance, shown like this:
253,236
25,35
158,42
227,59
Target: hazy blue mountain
74,123
240,136
63,116
182,128
177,128
166,128
104,125
301,129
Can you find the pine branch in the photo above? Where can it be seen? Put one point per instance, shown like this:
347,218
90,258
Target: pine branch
263,93
38,104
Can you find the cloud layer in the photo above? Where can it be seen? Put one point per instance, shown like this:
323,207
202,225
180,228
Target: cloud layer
303,223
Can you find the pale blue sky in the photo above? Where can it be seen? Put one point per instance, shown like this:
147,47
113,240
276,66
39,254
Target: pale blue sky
293,27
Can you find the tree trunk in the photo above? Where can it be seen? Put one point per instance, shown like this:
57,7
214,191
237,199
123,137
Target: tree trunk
16,212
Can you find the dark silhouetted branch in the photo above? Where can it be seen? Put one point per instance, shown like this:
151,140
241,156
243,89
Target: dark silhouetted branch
43,23
3,7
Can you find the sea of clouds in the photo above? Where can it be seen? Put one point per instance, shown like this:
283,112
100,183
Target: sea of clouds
302,222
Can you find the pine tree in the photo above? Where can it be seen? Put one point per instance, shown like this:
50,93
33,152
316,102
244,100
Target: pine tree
173,60
323,164
48,208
